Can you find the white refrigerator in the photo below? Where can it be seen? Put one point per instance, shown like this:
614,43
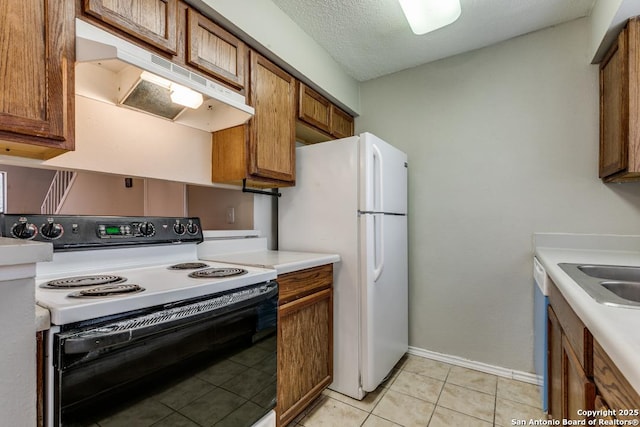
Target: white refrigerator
350,198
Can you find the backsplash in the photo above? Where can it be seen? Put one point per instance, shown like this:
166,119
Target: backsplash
93,193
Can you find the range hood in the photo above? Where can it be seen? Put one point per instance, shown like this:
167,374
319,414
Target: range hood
112,70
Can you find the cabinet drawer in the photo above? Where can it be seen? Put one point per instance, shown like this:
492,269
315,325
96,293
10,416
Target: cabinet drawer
304,282
612,385
577,334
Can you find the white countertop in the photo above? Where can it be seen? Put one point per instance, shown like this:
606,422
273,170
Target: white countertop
43,319
615,328
17,252
281,261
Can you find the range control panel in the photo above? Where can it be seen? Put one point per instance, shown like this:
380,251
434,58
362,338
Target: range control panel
75,232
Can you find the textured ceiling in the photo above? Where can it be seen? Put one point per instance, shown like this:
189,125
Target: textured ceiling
371,38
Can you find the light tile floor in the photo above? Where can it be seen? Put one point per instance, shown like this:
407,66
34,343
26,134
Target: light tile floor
424,392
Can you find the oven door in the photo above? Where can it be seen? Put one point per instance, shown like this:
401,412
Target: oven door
194,363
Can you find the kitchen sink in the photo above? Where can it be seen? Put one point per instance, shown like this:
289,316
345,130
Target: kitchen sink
615,285
627,290
612,272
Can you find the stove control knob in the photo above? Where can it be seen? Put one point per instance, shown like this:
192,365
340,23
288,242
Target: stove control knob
192,228
51,230
147,229
179,228
24,230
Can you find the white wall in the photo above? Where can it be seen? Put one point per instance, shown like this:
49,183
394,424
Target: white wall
502,142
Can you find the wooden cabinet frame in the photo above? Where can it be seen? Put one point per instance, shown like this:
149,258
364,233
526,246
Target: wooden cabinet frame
229,51
37,115
305,339
164,39
619,159
323,116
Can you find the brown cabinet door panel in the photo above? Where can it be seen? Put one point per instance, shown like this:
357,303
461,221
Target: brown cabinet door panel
579,392
37,52
152,21
305,352
341,123
272,143
215,51
313,108
554,364
613,109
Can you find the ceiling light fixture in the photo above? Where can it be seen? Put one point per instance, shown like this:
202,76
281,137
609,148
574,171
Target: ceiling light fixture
429,15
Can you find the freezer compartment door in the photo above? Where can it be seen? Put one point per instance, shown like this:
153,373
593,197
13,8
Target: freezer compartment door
384,292
383,176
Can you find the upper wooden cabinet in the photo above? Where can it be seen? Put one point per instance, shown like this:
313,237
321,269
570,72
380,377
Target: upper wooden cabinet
215,51
37,56
620,107
317,111
314,108
263,151
152,21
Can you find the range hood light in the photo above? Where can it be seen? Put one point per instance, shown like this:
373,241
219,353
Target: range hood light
429,15
185,96
180,95
152,78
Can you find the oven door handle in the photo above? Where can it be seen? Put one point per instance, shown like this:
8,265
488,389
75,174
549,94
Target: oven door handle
95,341
122,332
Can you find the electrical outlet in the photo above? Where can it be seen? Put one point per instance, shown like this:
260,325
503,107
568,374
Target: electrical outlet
231,215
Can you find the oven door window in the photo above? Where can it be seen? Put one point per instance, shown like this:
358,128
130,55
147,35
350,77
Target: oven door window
217,369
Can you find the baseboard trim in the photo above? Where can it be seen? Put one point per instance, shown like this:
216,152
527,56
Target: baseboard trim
478,366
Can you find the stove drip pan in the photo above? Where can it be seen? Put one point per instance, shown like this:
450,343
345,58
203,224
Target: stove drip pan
107,291
188,266
83,281
215,273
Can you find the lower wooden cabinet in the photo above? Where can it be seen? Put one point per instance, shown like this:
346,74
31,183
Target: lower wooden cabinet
582,377
614,391
571,389
554,365
305,339
578,390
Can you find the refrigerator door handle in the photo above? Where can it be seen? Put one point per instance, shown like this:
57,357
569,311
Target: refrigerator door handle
378,246
377,178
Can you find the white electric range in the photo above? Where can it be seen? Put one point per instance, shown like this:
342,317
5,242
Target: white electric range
135,313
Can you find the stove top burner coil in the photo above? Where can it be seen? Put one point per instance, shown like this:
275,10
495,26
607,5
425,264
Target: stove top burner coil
107,291
83,281
209,273
188,266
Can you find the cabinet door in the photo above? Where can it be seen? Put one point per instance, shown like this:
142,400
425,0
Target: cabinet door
554,365
614,114
215,51
341,123
613,386
578,391
272,140
37,56
305,352
152,21
313,108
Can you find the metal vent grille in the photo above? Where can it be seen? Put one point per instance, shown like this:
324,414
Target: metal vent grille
188,310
